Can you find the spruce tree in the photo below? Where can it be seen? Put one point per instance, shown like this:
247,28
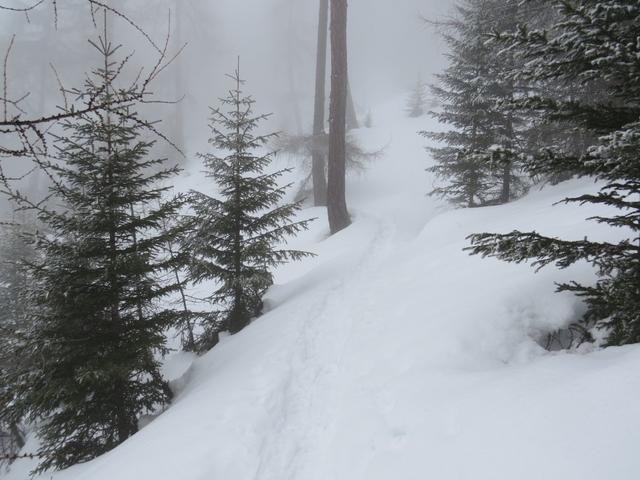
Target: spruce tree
417,102
97,326
15,250
239,235
593,44
480,156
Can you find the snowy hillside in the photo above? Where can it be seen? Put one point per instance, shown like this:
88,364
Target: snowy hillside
395,355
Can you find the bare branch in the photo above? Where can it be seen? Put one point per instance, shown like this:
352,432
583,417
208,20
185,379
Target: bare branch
62,89
4,75
119,14
23,9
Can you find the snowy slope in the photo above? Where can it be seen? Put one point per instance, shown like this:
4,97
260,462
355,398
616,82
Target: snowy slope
395,355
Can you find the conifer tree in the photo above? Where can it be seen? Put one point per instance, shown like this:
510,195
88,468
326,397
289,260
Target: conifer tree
479,160
417,102
15,249
238,236
97,327
368,120
592,42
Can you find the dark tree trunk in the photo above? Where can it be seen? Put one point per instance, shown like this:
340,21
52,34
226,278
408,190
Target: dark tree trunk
238,318
336,201
505,195
16,435
319,151
474,187
352,117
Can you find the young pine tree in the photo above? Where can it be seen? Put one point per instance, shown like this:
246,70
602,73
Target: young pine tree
417,102
97,326
238,236
591,42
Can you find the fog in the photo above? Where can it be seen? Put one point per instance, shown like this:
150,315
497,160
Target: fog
390,47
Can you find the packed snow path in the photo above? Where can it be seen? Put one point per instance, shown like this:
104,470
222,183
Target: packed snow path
395,355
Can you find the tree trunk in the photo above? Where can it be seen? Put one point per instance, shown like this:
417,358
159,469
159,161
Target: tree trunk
292,41
16,436
319,151
238,318
474,187
352,117
178,130
505,195
336,201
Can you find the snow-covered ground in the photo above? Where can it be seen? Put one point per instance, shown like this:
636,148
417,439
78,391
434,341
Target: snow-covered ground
395,355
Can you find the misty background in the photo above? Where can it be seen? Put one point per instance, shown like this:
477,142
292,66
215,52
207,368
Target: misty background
390,48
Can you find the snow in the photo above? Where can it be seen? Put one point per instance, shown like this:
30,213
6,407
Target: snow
394,354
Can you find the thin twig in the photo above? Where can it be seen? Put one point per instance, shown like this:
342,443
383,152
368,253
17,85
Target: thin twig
23,9
4,75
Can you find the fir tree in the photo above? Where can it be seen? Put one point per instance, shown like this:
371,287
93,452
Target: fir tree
368,120
417,102
15,249
238,236
591,43
480,157
97,326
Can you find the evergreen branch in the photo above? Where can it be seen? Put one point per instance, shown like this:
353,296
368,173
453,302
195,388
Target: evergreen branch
521,247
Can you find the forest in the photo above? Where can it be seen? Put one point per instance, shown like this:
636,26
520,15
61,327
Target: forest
319,240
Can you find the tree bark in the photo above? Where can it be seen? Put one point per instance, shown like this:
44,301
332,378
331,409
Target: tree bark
505,196
319,151
336,198
291,60
352,116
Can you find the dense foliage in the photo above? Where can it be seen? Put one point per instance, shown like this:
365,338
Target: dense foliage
96,321
479,157
594,45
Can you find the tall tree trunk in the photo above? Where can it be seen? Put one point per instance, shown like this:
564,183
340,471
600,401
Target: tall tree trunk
291,53
319,151
238,316
352,117
178,130
336,201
